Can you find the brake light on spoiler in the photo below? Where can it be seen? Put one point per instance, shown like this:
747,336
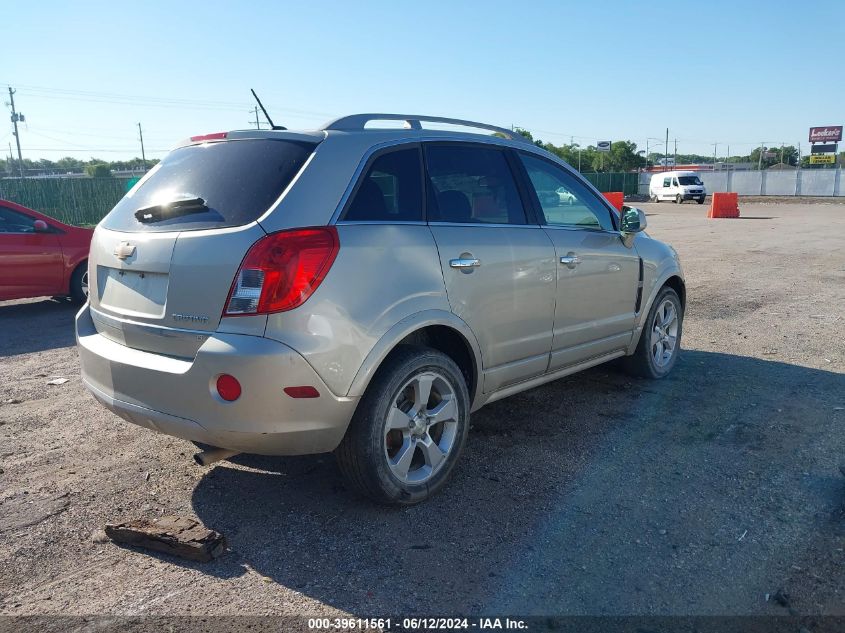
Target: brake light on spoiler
216,136
282,270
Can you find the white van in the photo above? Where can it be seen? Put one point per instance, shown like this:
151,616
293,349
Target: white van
677,186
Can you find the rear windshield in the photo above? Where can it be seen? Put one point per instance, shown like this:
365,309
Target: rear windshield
228,183
689,180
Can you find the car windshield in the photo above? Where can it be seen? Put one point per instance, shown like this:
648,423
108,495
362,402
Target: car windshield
689,180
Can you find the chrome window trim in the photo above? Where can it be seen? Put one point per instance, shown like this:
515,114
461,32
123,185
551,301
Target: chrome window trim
381,222
572,227
486,224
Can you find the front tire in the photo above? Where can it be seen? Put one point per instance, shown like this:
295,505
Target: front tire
679,199
700,201
660,340
409,429
79,283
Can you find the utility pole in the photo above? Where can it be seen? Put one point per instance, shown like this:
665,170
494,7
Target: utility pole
781,153
675,155
666,151
646,154
143,155
715,145
15,118
760,157
258,124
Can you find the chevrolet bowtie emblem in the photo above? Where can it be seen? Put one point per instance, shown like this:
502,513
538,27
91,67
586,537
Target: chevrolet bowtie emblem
124,250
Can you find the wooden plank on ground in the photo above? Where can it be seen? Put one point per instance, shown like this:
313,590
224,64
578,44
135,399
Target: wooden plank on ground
178,536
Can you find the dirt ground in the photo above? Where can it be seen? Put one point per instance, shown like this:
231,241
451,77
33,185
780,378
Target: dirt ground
597,494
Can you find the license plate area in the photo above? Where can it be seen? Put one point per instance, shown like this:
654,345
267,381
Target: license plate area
133,293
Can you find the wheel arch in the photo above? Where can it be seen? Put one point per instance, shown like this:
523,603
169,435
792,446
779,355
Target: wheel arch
442,331
73,266
672,279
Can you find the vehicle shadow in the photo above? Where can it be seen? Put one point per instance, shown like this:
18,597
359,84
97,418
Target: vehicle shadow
566,500
36,326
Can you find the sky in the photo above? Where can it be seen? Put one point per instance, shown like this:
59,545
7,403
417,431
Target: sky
734,73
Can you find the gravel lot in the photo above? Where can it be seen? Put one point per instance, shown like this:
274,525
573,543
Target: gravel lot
597,494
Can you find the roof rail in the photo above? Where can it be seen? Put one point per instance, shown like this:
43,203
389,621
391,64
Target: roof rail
412,122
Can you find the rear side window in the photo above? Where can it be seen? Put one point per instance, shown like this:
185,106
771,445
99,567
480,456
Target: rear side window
391,190
213,185
471,184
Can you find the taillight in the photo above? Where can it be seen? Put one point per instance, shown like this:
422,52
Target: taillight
282,270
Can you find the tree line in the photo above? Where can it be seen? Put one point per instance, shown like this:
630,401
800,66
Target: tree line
624,156
94,167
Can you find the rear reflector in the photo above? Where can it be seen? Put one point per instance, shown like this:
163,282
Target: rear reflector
228,387
302,392
216,136
282,270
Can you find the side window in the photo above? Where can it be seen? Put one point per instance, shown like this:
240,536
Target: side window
667,182
565,200
471,184
391,190
14,222
675,182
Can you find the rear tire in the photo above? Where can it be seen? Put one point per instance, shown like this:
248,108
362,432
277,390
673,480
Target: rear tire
398,449
663,328
79,283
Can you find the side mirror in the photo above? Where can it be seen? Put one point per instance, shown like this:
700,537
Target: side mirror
631,222
40,226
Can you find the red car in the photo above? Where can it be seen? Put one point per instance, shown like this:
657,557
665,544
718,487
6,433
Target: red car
40,256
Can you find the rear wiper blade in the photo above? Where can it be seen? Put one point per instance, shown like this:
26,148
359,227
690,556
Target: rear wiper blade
173,209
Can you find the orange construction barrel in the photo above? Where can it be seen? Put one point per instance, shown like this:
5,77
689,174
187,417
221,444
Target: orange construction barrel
616,198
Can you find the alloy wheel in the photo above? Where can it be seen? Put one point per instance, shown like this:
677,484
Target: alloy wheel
664,333
421,428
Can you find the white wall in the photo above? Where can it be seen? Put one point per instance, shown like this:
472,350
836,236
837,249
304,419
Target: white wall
771,182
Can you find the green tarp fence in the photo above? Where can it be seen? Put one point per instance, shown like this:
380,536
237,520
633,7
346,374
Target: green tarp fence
627,183
80,201
84,201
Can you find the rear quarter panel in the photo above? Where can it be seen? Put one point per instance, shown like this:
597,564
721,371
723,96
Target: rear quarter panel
383,274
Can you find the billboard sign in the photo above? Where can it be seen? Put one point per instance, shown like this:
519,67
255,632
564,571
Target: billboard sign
822,159
828,148
827,134
603,146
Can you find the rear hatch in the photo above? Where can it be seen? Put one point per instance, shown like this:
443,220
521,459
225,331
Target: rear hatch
163,260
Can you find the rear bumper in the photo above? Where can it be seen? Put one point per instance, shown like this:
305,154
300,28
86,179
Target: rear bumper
178,397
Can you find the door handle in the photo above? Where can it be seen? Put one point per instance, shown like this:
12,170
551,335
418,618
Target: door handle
570,260
465,262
